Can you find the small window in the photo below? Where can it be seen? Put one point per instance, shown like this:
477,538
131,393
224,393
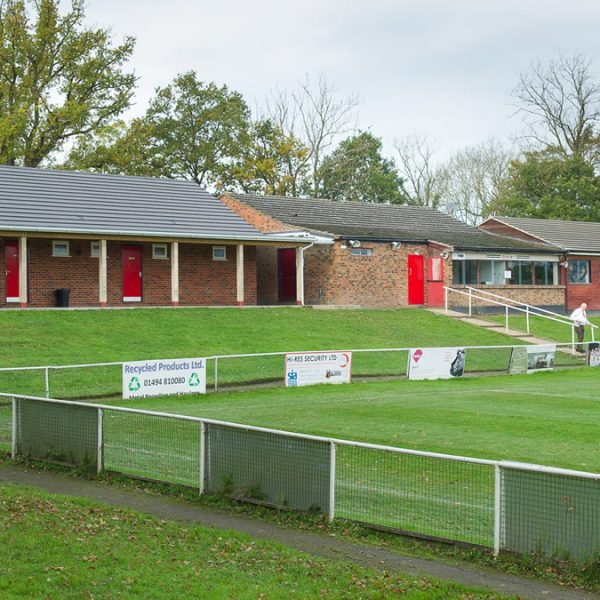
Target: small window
94,249
219,253
159,251
60,248
579,271
361,251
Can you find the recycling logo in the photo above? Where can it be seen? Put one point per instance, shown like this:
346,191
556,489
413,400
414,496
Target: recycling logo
134,384
194,380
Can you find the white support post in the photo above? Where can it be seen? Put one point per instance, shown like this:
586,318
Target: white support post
497,508
175,273
216,373
300,276
593,337
470,300
446,300
240,274
331,515
13,448
100,454
47,381
202,456
103,274
506,324
23,271
573,338
527,317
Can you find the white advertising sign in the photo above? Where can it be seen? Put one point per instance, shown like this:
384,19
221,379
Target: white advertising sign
310,368
540,358
593,358
436,363
169,377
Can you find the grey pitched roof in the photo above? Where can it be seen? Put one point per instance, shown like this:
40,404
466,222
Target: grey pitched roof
382,222
42,200
570,236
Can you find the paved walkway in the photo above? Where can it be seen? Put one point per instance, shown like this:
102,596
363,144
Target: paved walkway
317,544
519,335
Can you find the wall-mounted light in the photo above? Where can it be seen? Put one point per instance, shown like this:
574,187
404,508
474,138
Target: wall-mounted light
395,245
445,255
354,243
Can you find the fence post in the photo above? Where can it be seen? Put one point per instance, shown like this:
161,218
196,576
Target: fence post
470,300
202,456
47,381
13,448
527,317
446,299
331,481
593,337
573,338
497,508
506,326
100,454
216,373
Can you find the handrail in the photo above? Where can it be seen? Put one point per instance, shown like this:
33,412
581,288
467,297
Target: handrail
536,308
480,295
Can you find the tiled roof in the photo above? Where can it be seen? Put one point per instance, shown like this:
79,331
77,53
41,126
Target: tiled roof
64,201
384,222
571,236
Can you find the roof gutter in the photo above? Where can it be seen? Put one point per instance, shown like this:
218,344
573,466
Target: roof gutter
161,234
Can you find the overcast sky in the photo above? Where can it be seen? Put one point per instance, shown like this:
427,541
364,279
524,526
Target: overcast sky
440,67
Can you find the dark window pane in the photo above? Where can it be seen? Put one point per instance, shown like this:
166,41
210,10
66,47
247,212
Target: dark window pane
471,272
526,274
458,272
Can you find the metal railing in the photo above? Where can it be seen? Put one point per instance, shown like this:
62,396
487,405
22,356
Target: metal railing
103,380
499,504
508,303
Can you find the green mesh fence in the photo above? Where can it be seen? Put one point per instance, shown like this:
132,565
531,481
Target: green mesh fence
279,470
551,515
64,433
152,447
5,424
428,496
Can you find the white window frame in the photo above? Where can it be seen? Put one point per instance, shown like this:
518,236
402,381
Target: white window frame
216,250
61,243
95,249
160,254
361,251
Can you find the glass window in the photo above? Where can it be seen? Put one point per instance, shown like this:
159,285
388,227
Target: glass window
579,271
458,267
471,272
464,272
526,273
491,272
544,273
95,249
159,251
521,272
60,248
361,251
219,253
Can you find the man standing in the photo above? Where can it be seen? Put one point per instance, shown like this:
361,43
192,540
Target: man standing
579,318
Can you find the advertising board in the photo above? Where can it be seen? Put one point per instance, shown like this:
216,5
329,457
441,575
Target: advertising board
311,368
436,363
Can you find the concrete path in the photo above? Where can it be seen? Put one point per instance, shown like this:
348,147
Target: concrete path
519,335
317,544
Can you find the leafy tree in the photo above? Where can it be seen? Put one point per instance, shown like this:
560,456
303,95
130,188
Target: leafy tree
272,162
58,79
547,186
356,170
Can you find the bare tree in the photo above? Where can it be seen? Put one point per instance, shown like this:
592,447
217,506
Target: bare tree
316,115
424,181
561,102
473,176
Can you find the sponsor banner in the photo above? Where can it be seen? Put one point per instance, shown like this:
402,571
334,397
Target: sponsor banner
540,358
436,363
169,377
593,354
311,368
518,361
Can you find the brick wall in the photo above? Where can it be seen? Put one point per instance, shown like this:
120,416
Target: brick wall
260,221
536,295
202,281
584,292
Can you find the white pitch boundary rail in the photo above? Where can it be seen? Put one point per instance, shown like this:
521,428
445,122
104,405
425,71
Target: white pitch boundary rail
332,442
216,358
528,309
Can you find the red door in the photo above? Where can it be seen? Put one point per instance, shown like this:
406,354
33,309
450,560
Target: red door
435,281
286,259
416,279
11,250
132,273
